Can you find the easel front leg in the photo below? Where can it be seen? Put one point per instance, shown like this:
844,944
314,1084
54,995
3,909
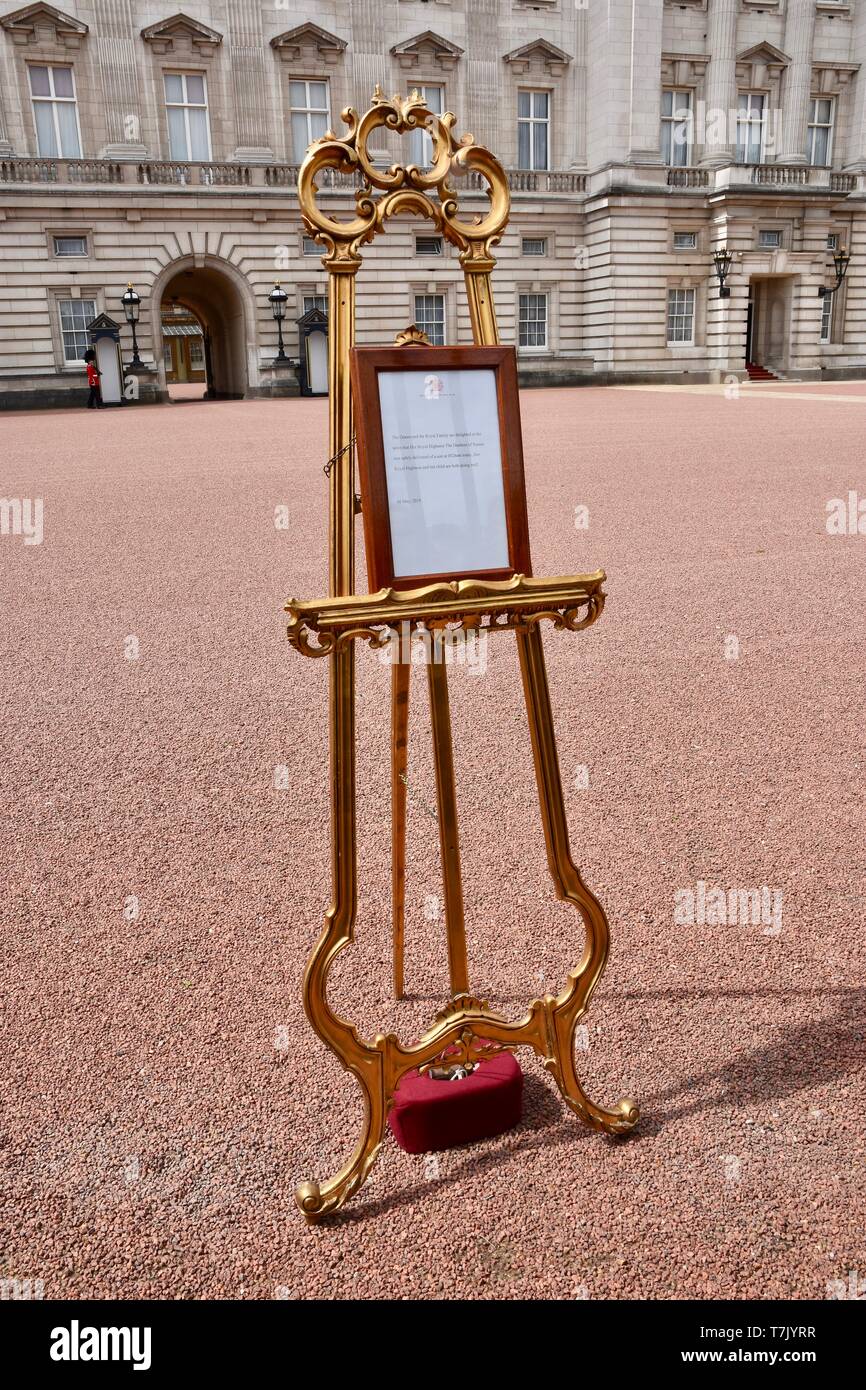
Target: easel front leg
400,673
449,838
564,1012
317,1200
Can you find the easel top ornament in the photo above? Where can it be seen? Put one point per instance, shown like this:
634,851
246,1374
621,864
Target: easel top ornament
403,188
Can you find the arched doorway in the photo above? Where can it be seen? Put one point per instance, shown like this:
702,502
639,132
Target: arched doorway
212,294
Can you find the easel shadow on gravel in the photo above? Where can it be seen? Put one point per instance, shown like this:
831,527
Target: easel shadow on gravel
805,1055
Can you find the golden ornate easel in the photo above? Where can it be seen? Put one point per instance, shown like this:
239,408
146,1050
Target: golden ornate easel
466,1026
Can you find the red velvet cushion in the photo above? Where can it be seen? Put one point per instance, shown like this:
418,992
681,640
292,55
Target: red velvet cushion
428,1115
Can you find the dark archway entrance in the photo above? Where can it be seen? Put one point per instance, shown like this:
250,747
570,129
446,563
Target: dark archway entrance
212,298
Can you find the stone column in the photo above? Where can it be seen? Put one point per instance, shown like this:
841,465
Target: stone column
799,38
721,86
117,48
647,21
856,152
247,55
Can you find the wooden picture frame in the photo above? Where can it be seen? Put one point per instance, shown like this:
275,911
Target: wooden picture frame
440,461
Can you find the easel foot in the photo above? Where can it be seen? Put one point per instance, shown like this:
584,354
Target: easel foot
623,1117
317,1200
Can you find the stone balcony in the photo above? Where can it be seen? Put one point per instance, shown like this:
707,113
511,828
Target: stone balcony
739,176
154,173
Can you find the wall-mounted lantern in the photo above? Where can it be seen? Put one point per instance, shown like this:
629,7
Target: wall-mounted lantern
722,260
840,261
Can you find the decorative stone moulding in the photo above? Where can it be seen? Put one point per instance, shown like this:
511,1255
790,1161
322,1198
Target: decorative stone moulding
187,33
427,49
309,41
829,79
761,66
540,53
35,23
684,69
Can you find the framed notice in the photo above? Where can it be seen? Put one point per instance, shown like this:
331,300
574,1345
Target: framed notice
440,459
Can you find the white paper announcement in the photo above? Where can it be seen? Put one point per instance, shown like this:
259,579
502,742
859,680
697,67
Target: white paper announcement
443,467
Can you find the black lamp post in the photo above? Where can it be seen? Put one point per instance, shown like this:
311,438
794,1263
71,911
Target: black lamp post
131,305
278,300
722,260
840,261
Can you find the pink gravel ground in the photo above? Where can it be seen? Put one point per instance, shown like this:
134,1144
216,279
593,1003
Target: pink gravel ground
162,1092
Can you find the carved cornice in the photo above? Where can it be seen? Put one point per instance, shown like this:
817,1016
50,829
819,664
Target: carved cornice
554,60
683,69
165,32
23,25
329,48
830,78
426,49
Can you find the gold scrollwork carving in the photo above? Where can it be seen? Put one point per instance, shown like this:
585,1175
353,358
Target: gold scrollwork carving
572,602
387,192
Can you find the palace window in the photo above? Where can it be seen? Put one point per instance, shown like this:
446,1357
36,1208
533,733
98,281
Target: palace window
532,321
832,241
75,315
311,114
681,316
70,246
533,130
676,126
769,240
820,142
430,317
750,128
827,318
533,246
316,301
421,141
187,116
428,245
55,112
310,247
685,241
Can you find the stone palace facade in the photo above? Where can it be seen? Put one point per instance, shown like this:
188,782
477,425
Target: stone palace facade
145,145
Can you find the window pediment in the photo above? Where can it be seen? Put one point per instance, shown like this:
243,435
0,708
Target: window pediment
183,33
426,49
34,21
311,39
761,65
540,53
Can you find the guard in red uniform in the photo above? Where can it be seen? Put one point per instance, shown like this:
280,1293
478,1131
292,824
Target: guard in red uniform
94,400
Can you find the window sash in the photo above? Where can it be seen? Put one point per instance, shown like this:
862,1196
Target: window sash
74,315
750,129
55,115
421,141
63,246
316,301
533,130
188,121
820,135
681,316
310,112
532,317
676,134
827,318
430,317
